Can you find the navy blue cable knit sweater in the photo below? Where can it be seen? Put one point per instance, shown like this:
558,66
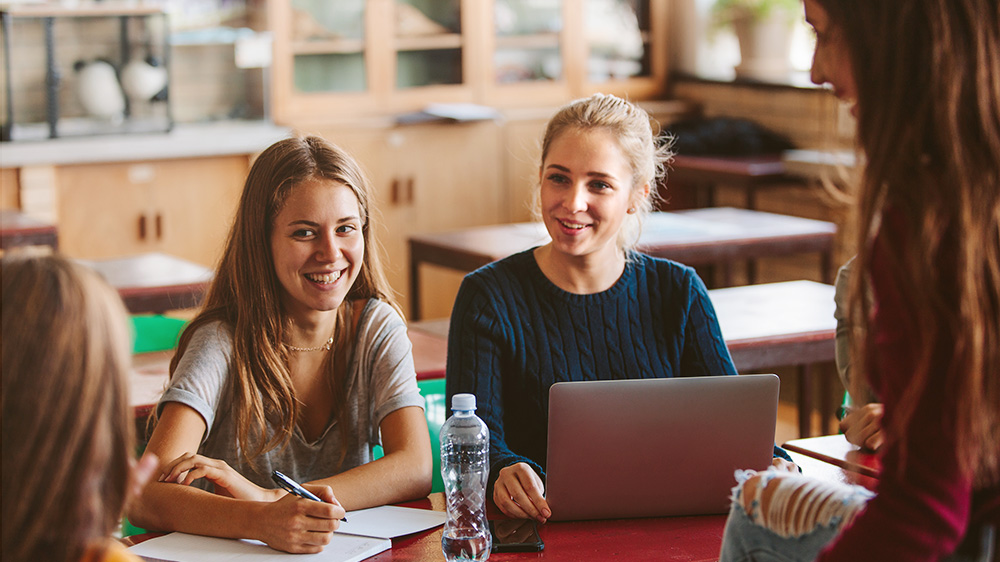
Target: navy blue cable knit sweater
514,333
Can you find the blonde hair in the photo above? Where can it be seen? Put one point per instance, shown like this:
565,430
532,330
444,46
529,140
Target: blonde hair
67,426
246,293
647,151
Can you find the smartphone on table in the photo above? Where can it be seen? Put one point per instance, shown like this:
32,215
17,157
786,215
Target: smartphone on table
515,535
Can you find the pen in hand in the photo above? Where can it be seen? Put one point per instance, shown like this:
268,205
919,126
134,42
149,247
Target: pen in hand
294,488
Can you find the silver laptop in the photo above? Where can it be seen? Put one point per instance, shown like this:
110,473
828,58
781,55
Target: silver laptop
655,447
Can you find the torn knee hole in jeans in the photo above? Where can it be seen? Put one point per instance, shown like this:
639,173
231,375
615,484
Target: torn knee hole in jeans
792,505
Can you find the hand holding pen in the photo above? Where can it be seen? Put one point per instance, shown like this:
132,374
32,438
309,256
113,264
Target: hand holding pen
294,488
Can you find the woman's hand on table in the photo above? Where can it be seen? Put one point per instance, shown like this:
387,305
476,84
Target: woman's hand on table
782,465
520,494
862,426
297,525
189,467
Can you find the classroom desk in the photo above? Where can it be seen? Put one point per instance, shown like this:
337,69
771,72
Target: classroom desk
155,282
765,326
719,235
784,324
18,229
655,539
835,449
749,173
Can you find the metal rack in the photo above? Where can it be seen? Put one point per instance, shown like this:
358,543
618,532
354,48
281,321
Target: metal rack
58,120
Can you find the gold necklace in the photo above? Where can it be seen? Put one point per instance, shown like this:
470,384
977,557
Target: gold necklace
325,347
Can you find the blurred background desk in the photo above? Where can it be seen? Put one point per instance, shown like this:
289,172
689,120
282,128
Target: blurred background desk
765,326
19,230
155,282
702,174
718,236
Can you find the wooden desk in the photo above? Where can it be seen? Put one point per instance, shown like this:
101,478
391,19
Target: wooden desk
765,326
18,229
155,282
718,235
749,173
835,449
783,324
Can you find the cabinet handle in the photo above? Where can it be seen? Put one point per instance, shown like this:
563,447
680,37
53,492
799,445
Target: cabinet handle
142,227
394,195
409,190
159,226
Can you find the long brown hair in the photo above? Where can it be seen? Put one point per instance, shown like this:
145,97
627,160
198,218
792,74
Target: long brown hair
246,293
67,427
928,79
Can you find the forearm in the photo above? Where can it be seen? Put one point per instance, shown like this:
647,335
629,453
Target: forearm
175,507
396,477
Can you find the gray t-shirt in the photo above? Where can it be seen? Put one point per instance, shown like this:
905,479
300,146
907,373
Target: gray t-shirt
382,380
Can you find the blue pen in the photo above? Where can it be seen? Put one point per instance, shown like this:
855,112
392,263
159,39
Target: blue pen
293,487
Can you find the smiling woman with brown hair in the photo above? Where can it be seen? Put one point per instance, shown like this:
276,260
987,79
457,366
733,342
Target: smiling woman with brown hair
298,362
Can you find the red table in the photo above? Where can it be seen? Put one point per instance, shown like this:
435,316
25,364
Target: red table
835,450
656,539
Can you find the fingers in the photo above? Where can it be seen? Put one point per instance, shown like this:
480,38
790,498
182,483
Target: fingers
303,526
140,472
519,493
190,467
863,426
783,465
325,493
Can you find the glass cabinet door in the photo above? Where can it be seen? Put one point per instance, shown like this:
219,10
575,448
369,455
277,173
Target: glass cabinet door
429,43
527,41
328,46
617,33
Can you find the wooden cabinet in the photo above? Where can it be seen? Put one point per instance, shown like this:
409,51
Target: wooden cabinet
370,57
182,207
428,178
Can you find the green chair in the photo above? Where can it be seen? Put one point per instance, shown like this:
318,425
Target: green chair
434,409
155,332
151,332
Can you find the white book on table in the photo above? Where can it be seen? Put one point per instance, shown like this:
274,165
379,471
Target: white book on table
366,533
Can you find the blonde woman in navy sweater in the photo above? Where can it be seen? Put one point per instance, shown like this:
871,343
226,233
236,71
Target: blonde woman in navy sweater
584,306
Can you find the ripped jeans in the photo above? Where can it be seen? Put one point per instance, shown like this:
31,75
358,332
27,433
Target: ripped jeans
790,518
802,516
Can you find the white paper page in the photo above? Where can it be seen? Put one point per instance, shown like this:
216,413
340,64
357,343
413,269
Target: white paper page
390,521
182,547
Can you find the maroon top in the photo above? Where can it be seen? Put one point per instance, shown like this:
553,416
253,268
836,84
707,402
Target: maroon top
923,512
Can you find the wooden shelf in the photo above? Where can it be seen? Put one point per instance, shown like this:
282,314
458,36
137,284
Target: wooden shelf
329,47
109,9
535,41
429,42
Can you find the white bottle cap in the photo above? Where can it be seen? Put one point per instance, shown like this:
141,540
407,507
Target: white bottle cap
463,402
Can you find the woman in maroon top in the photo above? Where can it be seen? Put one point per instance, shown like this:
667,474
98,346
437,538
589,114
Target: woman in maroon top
923,78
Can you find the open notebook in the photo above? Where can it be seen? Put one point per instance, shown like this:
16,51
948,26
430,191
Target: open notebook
366,533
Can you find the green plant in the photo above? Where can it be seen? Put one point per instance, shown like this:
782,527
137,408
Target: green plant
725,11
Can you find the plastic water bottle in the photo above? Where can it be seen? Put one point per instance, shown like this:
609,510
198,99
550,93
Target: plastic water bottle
465,452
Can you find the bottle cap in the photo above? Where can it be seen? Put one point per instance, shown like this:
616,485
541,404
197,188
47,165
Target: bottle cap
463,402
